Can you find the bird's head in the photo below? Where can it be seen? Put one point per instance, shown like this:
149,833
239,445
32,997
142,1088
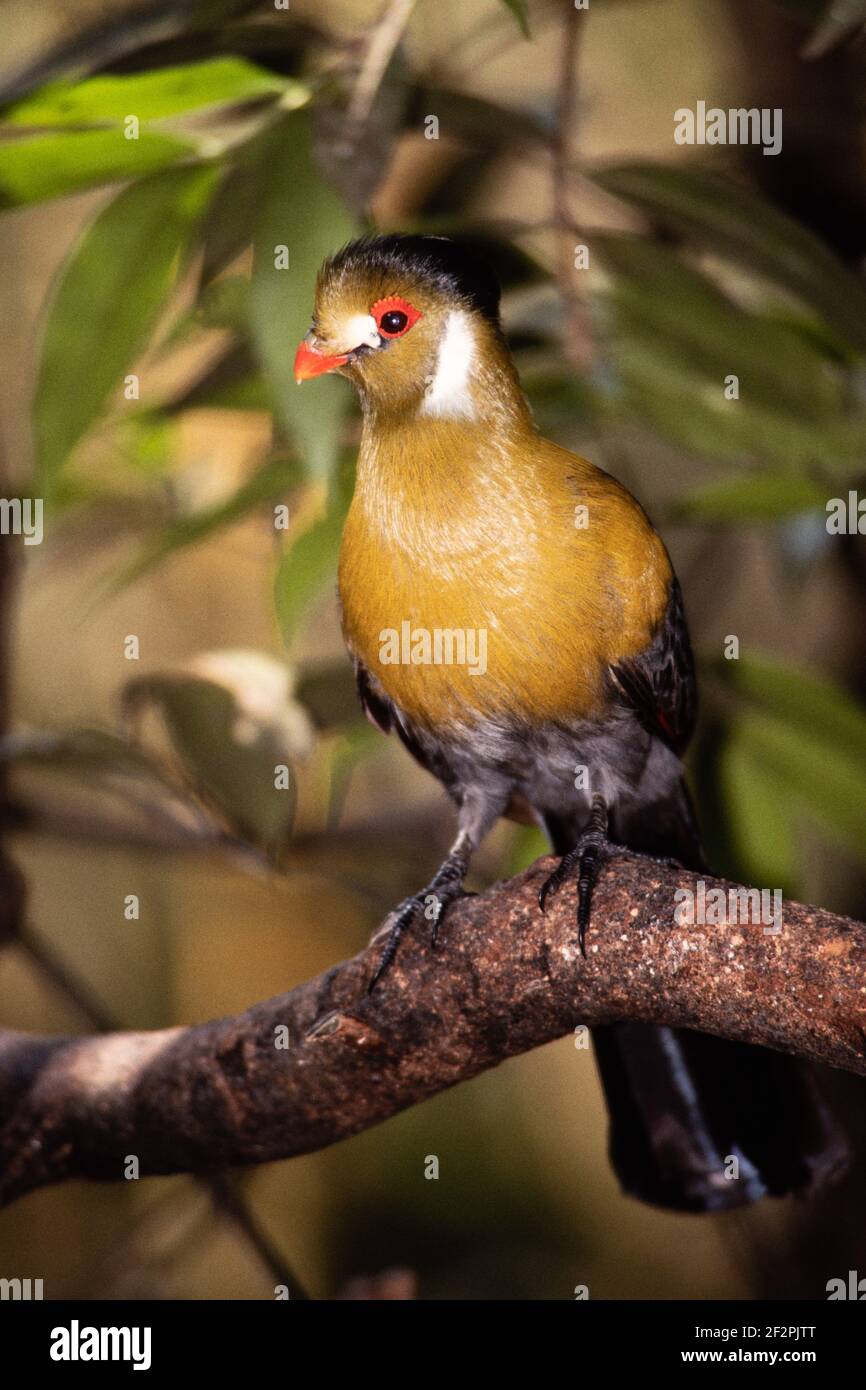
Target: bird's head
413,321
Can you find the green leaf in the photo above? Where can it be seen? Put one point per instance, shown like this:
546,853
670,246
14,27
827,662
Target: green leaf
329,694
559,401
760,496
487,124
298,211
244,392
311,561
656,299
518,9
145,443
115,788
230,221
355,743
656,391
759,816
673,339
813,772
150,95
233,382
732,219
233,722
224,303
528,844
89,750
110,293
269,482
818,706
806,734
51,166
304,570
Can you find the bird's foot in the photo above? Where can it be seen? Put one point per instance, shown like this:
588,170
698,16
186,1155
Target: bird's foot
433,901
586,860
587,857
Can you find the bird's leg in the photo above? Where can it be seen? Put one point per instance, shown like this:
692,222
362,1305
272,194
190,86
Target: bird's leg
587,856
444,887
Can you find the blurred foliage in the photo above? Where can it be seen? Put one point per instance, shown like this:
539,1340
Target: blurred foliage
235,185
237,733
518,9
790,749
297,209
109,296
189,287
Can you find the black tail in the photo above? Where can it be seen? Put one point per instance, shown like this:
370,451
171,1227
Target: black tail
683,1104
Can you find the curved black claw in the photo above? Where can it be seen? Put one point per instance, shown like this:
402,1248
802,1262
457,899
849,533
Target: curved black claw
591,859
433,901
587,857
554,881
405,913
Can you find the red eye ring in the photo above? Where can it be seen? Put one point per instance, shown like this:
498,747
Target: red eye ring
394,305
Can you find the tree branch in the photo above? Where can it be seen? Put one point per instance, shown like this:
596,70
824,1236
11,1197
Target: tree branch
504,979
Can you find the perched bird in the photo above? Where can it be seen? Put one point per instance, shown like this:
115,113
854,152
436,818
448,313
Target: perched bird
513,615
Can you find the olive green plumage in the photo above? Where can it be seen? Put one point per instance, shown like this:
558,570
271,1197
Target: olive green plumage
465,520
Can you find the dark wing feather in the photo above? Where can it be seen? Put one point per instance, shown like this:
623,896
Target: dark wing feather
378,708
425,748
659,684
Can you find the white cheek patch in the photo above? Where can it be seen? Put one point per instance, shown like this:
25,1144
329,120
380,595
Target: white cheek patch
361,331
448,393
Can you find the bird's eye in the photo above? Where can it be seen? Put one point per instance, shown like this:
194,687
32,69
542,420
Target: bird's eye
394,316
393,322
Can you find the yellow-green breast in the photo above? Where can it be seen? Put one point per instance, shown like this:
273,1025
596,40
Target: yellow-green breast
547,567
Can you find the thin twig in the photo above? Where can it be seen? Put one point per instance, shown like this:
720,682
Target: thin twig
507,35
228,1201
384,39
578,337
71,989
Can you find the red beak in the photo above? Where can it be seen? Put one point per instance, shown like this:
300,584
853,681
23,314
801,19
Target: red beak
309,362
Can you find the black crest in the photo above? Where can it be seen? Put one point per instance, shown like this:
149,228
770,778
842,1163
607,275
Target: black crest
454,268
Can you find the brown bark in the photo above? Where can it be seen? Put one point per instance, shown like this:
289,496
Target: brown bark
503,979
